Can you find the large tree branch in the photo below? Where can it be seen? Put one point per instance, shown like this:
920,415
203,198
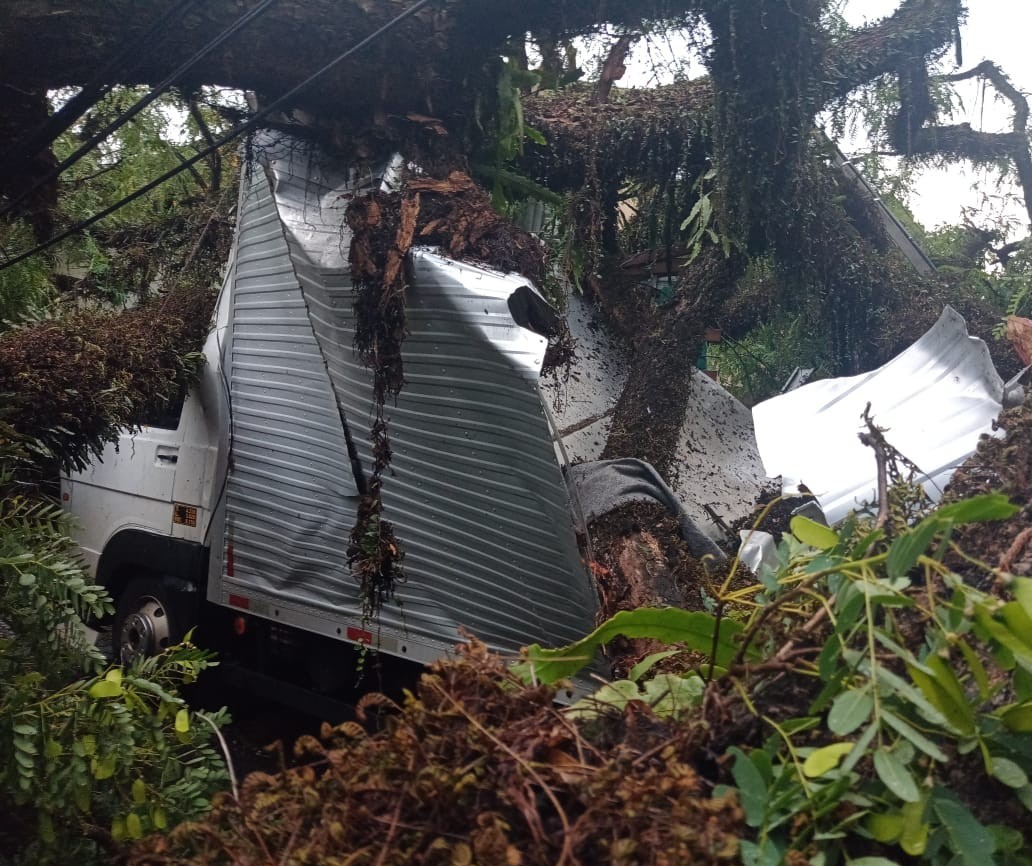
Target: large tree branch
430,58
961,141
915,30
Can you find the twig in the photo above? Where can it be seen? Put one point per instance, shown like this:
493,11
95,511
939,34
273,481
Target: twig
875,440
566,853
225,754
382,856
1020,540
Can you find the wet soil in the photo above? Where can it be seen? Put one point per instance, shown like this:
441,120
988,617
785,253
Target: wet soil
640,559
767,517
1003,465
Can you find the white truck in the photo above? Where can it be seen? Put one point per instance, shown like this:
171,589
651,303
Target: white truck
235,512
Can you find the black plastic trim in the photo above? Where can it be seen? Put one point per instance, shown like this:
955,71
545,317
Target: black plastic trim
160,554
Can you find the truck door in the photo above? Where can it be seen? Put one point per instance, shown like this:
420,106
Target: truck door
131,485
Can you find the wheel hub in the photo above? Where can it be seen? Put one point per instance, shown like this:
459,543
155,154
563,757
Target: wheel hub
145,631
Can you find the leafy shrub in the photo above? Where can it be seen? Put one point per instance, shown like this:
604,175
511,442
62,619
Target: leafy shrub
89,757
472,769
879,707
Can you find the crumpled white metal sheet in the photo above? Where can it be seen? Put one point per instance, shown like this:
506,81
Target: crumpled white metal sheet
934,401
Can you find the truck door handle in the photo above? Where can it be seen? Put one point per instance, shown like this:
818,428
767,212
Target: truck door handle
168,458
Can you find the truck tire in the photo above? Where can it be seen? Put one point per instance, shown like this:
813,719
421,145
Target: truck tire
146,622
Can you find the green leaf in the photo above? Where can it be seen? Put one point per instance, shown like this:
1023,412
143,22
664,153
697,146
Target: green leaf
872,861
752,789
25,730
1018,718
647,663
1025,796
1008,772
908,732
826,758
183,721
971,840
615,696
534,135
989,506
976,667
914,838
1022,683
1006,839
942,690
812,533
133,826
895,776
671,694
850,710
1002,634
905,550
695,629
885,827
103,768
81,796
105,689
46,828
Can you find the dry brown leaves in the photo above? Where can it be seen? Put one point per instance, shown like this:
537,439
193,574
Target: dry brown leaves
474,769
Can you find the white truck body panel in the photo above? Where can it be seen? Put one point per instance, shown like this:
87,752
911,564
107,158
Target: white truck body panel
476,493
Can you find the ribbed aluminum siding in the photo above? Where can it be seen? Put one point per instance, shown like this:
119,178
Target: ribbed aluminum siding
291,494
476,495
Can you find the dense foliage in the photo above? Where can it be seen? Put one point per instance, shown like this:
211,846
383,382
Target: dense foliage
90,755
93,756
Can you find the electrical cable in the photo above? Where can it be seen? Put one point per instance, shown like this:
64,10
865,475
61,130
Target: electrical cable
93,91
221,141
139,105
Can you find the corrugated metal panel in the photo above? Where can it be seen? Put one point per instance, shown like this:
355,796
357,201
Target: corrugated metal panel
476,495
291,494
934,399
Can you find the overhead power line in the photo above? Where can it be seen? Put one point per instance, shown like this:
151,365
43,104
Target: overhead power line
221,141
139,105
95,89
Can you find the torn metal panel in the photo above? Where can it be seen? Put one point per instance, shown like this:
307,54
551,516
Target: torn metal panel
934,400
476,495
717,463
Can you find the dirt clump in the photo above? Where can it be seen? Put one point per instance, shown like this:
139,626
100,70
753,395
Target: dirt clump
772,512
641,560
999,465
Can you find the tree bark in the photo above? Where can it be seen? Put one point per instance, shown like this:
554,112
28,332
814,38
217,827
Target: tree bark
648,416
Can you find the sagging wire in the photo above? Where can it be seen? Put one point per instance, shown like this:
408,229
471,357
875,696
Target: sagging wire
122,119
221,141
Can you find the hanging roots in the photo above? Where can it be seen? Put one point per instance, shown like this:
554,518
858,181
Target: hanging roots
455,215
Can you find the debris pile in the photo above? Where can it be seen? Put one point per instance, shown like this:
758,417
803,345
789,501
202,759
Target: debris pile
475,768
1000,464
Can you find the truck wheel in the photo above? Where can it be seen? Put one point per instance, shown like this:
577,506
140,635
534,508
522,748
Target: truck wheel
145,623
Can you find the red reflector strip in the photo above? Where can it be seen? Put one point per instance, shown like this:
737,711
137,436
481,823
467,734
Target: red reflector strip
359,635
240,601
229,560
